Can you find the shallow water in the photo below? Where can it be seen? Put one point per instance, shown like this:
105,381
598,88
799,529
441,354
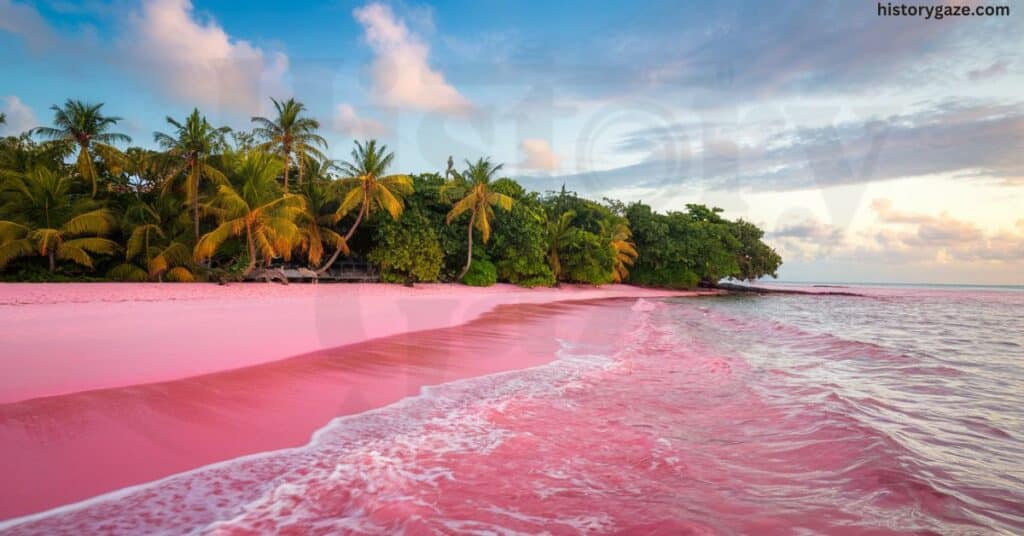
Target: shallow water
902,412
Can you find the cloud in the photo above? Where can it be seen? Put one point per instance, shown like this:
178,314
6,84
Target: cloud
968,140
806,238
402,77
996,69
349,123
538,155
24,21
19,117
197,61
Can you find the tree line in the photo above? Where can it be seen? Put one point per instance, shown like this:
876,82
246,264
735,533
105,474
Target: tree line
78,202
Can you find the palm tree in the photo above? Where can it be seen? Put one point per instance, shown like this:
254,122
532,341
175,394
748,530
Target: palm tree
84,126
48,223
3,118
558,232
620,237
316,219
190,150
152,251
290,134
366,186
477,198
253,206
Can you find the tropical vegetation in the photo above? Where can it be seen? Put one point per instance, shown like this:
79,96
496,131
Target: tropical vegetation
210,203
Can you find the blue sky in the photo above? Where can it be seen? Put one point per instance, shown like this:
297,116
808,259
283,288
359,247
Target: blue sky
870,148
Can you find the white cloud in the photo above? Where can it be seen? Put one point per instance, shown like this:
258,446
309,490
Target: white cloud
402,77
349,123
197,61
19,117
538,155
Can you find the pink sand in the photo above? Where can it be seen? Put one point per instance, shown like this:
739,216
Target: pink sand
65,338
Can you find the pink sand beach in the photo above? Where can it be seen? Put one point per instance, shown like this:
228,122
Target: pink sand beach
112,385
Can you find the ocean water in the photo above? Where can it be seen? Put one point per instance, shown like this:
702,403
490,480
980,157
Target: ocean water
900,412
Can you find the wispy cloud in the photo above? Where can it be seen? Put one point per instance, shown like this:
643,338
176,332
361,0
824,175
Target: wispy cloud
402,75
24,21
971,140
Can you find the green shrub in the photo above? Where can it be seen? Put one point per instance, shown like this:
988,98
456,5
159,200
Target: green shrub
482,273
407,250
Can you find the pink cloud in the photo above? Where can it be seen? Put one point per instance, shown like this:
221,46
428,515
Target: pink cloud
538,155
197,61
349,123
402,76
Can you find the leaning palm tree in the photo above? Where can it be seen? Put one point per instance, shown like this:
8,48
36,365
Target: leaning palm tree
254,207
477,198
558,233
84,126
317,217
619,237
366,186
190,151
290,135
48,223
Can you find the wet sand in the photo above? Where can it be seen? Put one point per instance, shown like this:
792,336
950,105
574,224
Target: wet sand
55,450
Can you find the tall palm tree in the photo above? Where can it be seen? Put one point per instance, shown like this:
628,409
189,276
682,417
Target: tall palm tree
253,206
366,186
477,198
558,232
620,237
84,126
3,118
191,149
290,134
47,222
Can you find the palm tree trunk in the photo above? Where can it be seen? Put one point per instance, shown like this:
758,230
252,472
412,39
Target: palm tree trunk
252,251
53,261
351,230
286,166
195,206
469,250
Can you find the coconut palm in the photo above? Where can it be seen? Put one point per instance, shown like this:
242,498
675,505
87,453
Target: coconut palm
290,135
152,251
84,126
315,221
558,231
473,190
366,186
48,222
3,119
253,206
620,237
190,152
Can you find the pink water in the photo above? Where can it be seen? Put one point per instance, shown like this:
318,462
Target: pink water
895,413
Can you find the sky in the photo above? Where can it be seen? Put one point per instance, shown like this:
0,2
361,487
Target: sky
870,148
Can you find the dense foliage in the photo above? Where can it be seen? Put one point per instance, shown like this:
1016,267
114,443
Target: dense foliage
78,203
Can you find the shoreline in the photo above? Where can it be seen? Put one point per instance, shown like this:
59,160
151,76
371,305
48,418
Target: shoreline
185,330
61,450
